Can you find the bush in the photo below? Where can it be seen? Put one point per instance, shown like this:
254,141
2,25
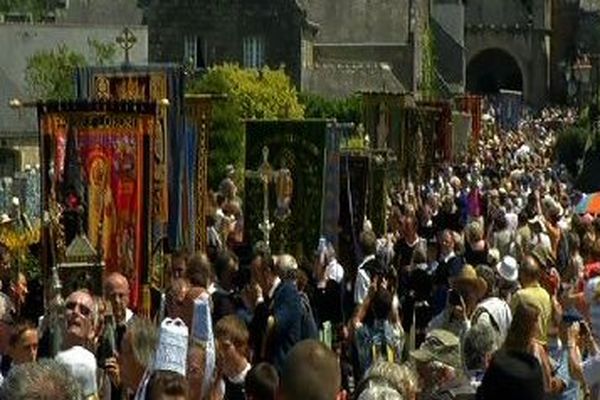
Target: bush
348,109
251,94
570,147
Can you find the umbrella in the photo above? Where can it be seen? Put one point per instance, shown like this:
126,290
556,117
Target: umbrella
589,204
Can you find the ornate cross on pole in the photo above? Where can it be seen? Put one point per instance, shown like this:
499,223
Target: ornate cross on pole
265,174
126,40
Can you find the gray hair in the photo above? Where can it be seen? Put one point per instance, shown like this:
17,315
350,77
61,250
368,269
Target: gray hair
46,379
479,342
379,392
287,267
143,337
386,380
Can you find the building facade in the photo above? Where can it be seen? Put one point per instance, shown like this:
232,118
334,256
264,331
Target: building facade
19,42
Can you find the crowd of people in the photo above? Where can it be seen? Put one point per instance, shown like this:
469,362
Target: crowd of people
486,285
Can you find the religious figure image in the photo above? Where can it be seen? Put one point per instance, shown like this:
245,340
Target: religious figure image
284,188
101,213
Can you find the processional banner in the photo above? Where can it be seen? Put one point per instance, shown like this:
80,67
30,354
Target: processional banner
174,156
198,111
380,112
461,133
443,134
336,134
416,145
96,161
298,147
473,105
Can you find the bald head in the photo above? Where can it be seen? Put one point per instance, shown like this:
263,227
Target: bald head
116,291
529,270
311,372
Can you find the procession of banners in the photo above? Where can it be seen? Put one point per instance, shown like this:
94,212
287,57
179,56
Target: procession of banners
124,169
124,174
331,188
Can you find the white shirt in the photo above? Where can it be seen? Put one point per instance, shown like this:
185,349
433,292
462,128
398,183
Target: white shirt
449,257
333,271
276,284
128,315
241,377
363,281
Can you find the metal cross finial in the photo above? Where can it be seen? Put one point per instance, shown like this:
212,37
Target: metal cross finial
265,174
126,40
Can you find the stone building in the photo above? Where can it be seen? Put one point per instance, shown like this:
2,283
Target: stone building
252,33
508,46
377,42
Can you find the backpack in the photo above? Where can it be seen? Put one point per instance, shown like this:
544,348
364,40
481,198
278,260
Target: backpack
381,351
308,326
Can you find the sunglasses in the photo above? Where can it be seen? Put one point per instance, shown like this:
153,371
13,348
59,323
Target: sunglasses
83,309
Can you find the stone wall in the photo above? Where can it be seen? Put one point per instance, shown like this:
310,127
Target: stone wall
222,25
360,21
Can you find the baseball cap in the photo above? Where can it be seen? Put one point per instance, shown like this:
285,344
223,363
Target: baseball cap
440,345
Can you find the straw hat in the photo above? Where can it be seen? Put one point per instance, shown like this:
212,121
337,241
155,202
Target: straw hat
469,279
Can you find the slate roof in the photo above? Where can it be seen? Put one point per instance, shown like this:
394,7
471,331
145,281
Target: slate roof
341,79
14,123
358,21
106,12
590,5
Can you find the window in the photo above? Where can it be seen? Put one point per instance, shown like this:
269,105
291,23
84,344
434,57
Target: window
254,51
194,51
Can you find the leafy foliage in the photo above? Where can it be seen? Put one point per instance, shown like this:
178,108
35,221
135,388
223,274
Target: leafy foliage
36,7
570,147
105,52
251,94
429,80
50,73
348,109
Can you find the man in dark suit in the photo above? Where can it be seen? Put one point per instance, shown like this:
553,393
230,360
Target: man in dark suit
449,266
278,314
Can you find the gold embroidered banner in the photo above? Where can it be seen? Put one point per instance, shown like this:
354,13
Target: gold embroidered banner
99,158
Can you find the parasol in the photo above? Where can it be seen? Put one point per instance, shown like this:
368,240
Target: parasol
589,204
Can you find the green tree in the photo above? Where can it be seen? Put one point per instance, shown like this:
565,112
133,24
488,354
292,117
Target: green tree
429,79
570,147
50,73
251,94
36,7
104,52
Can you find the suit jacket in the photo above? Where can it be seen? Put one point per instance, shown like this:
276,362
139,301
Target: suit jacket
286,310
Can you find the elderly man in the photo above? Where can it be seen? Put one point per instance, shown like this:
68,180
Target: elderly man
311,371
279,315
116,291
478,346
46,379
81,315
137,353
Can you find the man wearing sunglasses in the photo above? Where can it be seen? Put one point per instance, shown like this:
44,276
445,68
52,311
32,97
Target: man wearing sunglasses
81,316
80,319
